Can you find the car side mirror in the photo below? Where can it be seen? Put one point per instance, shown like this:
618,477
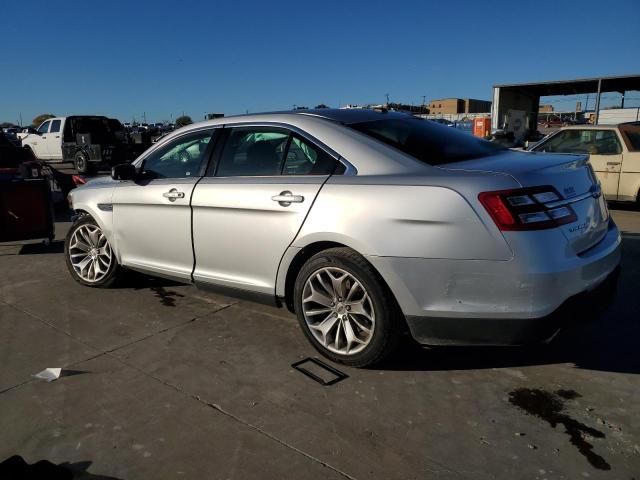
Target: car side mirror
123,171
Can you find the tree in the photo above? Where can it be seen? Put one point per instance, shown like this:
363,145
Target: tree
183,120
41,118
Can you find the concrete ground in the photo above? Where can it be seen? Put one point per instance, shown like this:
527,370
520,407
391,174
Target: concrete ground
163,381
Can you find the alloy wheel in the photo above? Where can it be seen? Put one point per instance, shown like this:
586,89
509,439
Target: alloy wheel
90,253
338,310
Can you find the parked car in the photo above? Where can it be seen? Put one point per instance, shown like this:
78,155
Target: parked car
365,224
87,141
614,152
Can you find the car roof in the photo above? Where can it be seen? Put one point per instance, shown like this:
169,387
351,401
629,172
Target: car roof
344,116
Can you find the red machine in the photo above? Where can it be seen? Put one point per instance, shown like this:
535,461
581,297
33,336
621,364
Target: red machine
482,127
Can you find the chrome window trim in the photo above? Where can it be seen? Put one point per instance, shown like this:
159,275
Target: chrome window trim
350,170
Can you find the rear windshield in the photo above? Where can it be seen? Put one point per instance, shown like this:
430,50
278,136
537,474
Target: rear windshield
632,135
427,141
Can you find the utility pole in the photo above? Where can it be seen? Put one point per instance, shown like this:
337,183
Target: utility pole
387,95
424,103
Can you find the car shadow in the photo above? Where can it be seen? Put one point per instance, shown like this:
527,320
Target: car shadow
609,344
57,246
626,206
139,281
16,467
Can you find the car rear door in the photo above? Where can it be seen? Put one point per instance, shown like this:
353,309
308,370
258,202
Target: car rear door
251,205
54,140
152,216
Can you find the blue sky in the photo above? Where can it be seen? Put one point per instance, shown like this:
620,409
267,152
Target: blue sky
123,58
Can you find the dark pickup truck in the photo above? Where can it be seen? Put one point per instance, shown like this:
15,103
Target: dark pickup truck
86,140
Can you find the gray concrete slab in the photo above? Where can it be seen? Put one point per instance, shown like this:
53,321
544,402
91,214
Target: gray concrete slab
128,425
444,412
39,284
238,410
27,346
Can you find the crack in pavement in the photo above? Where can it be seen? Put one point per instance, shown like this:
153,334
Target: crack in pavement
88,345
217,408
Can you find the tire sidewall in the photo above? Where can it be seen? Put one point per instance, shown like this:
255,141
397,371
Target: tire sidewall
383,309
81,161
111,275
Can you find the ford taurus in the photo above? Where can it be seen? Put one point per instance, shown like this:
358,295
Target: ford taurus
366,224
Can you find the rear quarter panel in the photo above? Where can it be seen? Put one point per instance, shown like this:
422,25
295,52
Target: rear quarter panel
401,221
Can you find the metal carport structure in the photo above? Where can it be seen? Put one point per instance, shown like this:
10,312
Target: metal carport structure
526,96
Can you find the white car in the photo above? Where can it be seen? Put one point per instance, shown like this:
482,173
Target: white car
614,152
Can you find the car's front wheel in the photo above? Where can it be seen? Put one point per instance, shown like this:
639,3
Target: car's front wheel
345,309
89,257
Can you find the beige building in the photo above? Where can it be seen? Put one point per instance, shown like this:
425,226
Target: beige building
458,105
545,109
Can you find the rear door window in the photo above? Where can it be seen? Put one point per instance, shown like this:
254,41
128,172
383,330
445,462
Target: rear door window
253,151
55,126
305,158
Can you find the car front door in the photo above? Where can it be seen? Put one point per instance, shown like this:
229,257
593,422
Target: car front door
604,149
247,213
53,140
152,216
39,143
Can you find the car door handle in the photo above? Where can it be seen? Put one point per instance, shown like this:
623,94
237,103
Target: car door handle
613,163
286,198
173,194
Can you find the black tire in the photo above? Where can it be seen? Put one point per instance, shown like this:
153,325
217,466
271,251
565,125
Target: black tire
388,325
81,163
114,273
30,155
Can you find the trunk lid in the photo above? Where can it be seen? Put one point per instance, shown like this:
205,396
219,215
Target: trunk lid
571,175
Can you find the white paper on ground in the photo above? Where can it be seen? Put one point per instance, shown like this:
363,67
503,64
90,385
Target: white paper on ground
49,374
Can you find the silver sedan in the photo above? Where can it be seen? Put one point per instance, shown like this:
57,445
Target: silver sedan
366,224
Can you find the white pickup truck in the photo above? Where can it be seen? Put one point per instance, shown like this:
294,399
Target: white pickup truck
87,141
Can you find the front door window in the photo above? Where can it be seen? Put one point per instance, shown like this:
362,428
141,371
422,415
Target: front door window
180,158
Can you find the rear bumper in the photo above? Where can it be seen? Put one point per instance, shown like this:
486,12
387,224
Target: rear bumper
463,302
585,306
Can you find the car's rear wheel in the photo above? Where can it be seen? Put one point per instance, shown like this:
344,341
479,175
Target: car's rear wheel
81,163
89,257
345,309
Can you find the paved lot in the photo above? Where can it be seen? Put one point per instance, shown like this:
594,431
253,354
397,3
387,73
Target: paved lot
165,381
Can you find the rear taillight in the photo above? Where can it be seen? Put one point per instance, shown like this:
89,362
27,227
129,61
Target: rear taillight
526,208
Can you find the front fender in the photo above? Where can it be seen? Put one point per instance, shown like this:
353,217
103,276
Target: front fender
97,202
